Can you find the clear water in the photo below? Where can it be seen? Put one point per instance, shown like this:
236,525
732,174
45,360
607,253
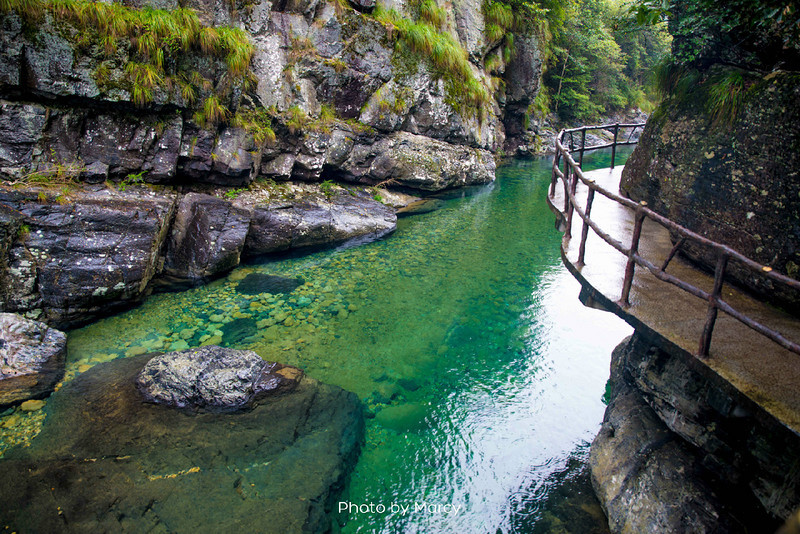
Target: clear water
463,334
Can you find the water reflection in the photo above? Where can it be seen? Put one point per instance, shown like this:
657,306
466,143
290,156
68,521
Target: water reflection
462,332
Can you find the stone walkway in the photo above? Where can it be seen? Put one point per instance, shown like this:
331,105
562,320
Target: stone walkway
763,371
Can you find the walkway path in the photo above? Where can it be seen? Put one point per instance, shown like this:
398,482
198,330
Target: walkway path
762,370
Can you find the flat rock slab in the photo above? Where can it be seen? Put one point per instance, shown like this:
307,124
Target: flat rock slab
31,358
106,461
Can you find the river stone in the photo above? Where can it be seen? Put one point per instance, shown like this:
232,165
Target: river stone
212,377
257,283
31,358
107,462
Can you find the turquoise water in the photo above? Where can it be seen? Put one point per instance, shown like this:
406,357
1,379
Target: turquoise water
463,334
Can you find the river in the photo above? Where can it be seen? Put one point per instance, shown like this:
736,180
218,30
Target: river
463,334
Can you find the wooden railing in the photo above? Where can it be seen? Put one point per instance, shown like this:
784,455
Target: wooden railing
573,173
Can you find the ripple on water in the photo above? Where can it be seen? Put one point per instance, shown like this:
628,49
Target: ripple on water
461,332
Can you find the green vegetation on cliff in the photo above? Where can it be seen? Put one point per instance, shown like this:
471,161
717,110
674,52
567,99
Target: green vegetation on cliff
156,44
424,39
597,60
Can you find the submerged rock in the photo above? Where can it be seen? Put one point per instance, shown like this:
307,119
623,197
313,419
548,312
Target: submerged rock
213,377
31,358
107,462
257,283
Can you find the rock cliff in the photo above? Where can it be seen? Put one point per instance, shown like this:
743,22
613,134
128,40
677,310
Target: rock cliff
734,180
152,143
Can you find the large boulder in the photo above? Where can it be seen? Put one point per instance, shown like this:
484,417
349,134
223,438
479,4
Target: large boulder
206,239
732,180
313,222
84,257
647,479
213,377
31,358
419,162
105,461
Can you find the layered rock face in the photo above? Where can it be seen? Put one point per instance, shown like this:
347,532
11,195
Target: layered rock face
681,450
307,56
734,182
69,262
122,178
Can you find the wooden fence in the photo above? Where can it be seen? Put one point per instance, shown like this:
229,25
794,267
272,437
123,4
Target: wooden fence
572,173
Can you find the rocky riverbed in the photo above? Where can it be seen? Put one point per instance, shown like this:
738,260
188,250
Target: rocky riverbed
108,460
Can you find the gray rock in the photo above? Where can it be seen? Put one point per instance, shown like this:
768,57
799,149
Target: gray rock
470,26
419,162
133,145
279,167
106,461
213,377
716,178
10,224
86,257
32,358
363,5
232,157
96,172
13,44
21,127
52,69
647,480
309,222
206,239
740,445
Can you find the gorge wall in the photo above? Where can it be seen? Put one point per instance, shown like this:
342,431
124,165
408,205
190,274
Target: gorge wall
732,179
141,147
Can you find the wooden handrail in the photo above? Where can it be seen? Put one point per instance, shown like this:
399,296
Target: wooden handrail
724,254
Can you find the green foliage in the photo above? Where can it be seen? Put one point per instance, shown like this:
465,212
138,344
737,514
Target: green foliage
445,56
23,232
600,60
155,41
375,194
233,194
327,189
257,122
430,12
296,119
722,90
726,94
131,179
213,112
749,34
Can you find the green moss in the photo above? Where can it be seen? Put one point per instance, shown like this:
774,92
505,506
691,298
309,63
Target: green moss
445,56
257,122
156,43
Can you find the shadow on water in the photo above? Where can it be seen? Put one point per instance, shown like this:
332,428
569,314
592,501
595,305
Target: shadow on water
462,333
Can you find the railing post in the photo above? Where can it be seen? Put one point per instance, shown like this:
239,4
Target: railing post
583,146
614,146
585,229
566,184
713,302
573,186
554,178
630,267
